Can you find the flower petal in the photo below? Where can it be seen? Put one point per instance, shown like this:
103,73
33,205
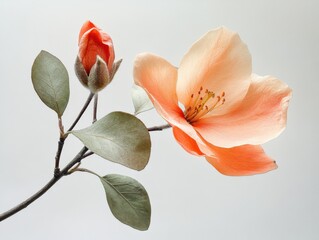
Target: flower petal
261,116
94,42
219,62
188,143
241,161
86,27
91,45
189,138
158,78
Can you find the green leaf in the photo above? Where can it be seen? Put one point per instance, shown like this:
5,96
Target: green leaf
140,99
119,137
128,200
51,81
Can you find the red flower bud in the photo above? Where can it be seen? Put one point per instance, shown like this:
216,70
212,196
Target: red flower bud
94,42
94,65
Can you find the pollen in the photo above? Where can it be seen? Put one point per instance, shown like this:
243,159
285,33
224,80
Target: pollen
203,102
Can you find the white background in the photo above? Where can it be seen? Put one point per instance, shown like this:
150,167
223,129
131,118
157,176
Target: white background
190,199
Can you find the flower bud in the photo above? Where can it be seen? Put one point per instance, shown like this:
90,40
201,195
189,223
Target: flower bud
94,64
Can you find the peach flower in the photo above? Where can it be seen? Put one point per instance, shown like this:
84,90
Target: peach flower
215,105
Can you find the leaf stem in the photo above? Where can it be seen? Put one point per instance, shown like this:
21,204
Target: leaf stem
38,194
159,128
61,127
85,170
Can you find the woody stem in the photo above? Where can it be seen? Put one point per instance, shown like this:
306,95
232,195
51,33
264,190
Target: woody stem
159,128
44,189
95,108
63,137
82,111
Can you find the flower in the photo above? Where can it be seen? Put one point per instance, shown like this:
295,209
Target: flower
227,111
95,65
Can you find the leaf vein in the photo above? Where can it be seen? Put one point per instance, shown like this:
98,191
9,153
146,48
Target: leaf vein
129,203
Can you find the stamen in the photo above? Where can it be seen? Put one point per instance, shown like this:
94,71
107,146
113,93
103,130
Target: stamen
203,104
194,103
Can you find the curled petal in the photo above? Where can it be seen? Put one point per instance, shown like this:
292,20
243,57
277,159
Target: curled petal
158,78
241,161
88,25
188,137
188,143
219,62
261,116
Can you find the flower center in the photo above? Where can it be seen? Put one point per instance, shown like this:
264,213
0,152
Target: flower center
202,103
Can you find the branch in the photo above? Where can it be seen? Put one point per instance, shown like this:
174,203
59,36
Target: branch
38,194
159,128
82,111
58,155
63,137
95,108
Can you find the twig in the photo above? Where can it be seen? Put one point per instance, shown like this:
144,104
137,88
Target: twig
38,194
57,156
95,108
159,128
63,136
87,154
82,111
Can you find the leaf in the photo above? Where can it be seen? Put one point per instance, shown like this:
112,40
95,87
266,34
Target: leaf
128,200
51,81
119,137
140,99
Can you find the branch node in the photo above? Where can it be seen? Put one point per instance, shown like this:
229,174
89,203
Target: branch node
57,172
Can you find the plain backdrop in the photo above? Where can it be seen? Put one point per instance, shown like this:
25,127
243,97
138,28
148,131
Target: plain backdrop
190,199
